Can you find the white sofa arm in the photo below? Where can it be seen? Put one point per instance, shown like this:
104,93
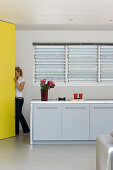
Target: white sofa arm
103,144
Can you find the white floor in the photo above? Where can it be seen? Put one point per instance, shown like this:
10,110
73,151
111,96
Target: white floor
17,154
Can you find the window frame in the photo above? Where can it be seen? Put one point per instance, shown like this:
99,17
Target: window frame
66,83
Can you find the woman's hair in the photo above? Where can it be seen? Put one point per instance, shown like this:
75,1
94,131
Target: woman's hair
19,70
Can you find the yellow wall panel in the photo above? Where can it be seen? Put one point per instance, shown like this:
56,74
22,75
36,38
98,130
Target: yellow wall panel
7,84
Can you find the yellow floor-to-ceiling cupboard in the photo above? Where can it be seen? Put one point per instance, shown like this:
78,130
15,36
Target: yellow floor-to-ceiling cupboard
7,83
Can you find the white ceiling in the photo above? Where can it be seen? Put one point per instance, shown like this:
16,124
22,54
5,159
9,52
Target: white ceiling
58,14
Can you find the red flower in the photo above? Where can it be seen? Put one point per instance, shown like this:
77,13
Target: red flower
43,81
49,83
52,87
53,84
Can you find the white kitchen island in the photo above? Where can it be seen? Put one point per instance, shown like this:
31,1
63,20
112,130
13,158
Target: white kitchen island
69,121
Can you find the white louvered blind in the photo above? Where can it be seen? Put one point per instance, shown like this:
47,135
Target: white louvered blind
49,63
82,64
106,64
74,64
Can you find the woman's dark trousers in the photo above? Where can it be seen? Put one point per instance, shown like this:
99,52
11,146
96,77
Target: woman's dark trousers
19,116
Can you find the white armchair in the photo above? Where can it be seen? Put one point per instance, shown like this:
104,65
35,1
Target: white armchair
104,152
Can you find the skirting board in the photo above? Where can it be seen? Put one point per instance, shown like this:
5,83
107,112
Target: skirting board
64,142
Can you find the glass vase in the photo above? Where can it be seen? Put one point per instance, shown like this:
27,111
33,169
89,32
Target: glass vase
44,94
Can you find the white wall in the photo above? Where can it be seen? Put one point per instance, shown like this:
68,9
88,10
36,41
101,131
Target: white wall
24,57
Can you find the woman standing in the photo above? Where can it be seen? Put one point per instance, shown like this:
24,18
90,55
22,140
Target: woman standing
19,100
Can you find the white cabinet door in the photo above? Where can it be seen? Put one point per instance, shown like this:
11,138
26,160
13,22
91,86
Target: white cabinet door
75,121
47,122
101,119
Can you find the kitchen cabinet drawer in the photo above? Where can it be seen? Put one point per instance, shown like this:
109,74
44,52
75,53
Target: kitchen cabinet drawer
47,122
101,119
75,121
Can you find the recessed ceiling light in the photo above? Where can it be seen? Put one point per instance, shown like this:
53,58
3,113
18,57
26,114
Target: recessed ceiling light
110,20
70,19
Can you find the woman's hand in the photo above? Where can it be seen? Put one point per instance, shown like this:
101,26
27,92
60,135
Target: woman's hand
21,86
